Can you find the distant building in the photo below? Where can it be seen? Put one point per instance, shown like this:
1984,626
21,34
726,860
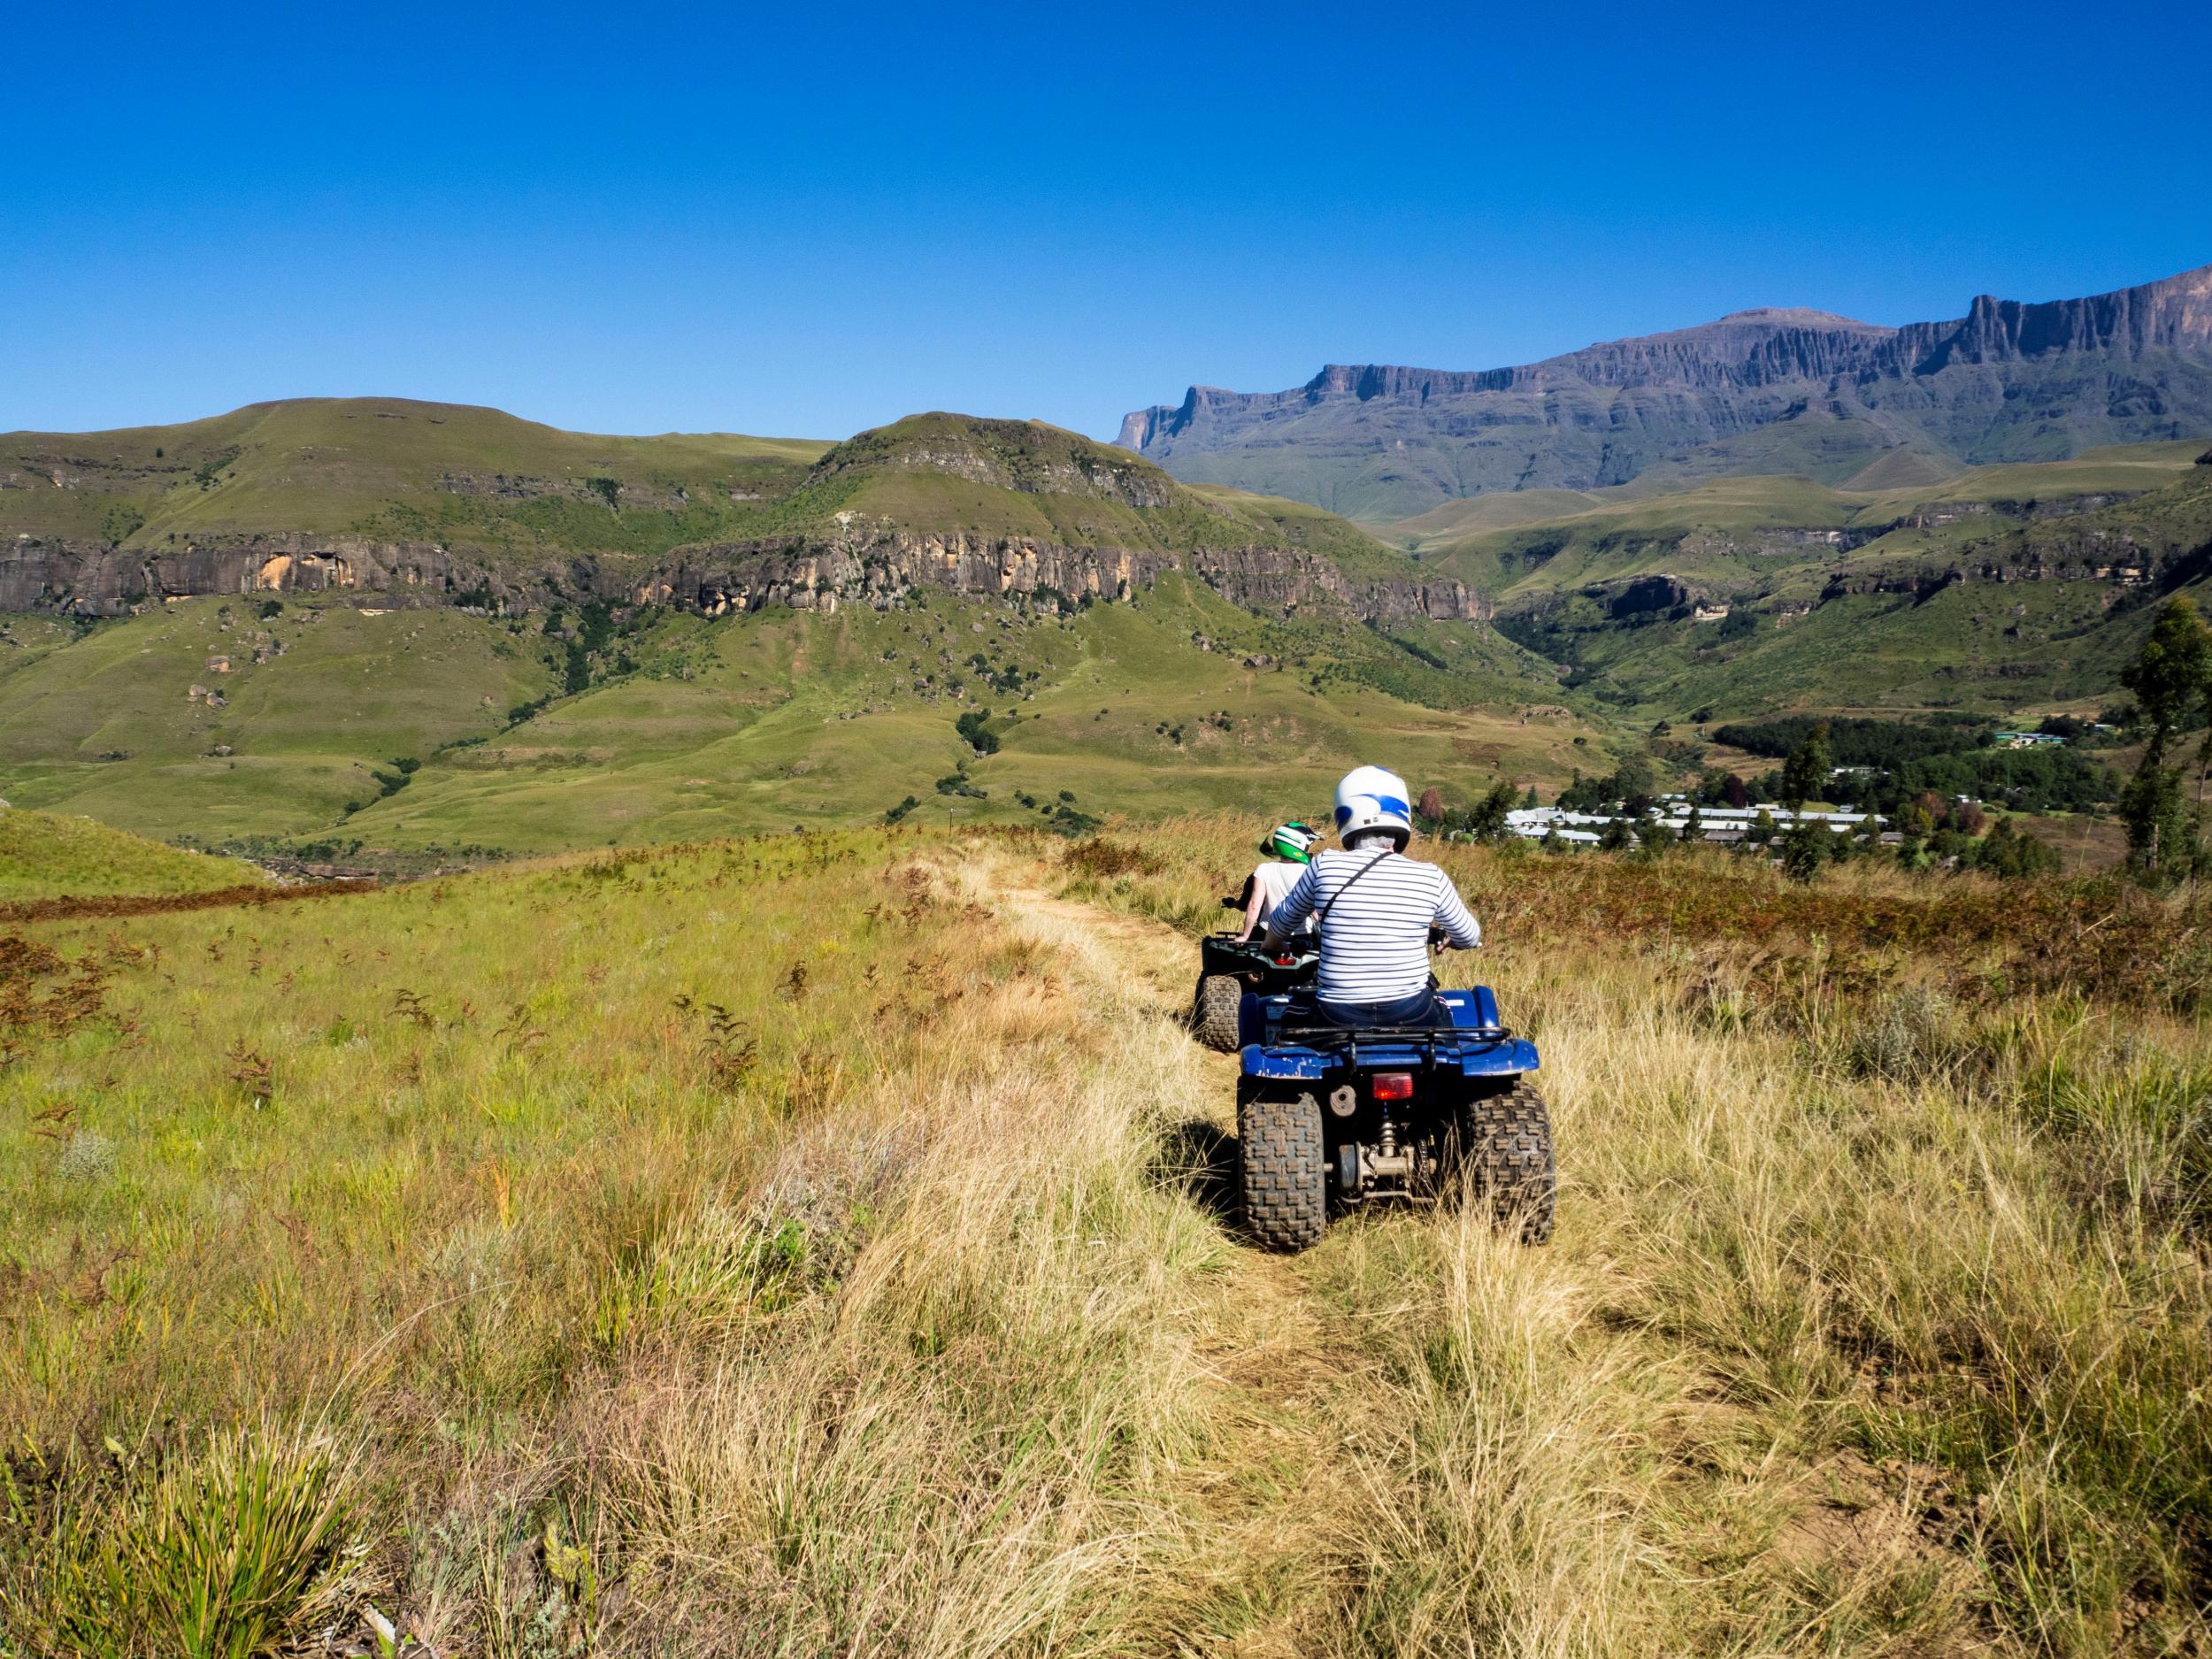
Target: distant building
2028,740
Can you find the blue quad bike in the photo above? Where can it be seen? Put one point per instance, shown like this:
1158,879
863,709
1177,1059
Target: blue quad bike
1330,1119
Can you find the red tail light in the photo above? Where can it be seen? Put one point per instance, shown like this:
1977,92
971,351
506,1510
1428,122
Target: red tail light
1393,1085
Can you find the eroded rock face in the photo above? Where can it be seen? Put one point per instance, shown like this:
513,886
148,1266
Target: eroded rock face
92,580
2125,367
874,566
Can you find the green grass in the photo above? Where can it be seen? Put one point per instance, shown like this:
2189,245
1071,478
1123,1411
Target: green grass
328,466
107,725
736,723
45,857
803,719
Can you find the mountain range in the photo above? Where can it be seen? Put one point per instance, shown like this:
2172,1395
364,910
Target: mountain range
1801,392
341,627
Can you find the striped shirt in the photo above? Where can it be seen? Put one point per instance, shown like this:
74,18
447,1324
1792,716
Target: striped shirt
1375,944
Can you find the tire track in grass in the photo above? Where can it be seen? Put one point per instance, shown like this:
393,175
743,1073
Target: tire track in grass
1286,1490
1487,1448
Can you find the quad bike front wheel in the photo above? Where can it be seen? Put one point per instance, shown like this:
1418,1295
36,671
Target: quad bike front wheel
1214,1018
1283,1170
1510,1161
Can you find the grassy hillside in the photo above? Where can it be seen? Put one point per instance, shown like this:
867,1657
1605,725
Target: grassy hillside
297,714
487,484
477,479
816,1244
1801,567
46,857
334,721
433,729
1714,529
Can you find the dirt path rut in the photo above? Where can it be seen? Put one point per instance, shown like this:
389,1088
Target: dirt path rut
1293,1388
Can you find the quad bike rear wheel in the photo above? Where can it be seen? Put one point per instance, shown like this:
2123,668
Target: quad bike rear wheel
1215,1016
1510,1161
1283,1171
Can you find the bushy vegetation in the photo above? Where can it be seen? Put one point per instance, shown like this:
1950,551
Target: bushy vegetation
1854,741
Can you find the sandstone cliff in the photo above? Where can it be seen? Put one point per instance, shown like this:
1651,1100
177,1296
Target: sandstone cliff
878,566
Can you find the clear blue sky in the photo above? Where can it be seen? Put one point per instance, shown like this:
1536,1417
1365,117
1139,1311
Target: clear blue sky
809,220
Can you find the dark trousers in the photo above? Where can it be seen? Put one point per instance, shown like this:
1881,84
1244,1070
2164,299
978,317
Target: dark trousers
1420,1010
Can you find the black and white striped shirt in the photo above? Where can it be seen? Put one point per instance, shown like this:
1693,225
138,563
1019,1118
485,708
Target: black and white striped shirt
1375,944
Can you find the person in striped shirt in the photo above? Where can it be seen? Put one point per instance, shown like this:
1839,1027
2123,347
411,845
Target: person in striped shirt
1376,907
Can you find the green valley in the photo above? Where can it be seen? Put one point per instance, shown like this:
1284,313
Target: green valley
2021,585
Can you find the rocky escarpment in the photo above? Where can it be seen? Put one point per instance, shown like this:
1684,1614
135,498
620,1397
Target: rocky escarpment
64,578
1380,441
878,566
886,568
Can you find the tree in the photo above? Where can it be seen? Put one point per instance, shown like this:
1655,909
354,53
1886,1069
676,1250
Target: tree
1633,781
1616,836
1804,848
1529,802
980,737
1734,792
1805,773
2170,680
1484,821
1694,826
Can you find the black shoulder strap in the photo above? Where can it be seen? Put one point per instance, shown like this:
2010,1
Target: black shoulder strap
1347,887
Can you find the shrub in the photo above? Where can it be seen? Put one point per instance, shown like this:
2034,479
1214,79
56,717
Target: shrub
976,732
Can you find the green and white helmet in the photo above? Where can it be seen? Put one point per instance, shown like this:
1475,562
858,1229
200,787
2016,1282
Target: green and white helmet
1293,841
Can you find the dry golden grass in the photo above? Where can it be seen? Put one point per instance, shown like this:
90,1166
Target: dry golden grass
819,1246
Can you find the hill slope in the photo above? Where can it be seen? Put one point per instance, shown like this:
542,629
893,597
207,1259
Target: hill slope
1760,391
2000,589
441,730
46,857
434,504
406,626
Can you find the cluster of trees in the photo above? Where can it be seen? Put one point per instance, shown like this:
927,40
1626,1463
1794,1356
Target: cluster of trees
1855,740
2025,780
976,732
1891,763
1634,783
1484,820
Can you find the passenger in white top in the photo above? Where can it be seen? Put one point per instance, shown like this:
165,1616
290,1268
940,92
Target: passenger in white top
1287,846
1376,907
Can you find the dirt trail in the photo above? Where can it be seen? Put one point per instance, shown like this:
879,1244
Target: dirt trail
1294,1388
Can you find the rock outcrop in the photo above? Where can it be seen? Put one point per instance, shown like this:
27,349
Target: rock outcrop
878,566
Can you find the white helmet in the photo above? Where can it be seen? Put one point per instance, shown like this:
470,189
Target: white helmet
1371,799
